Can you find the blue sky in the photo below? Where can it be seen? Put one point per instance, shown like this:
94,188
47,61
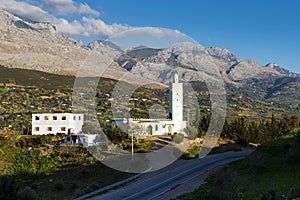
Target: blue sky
262,30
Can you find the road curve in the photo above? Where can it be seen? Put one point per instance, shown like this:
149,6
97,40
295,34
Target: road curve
156,184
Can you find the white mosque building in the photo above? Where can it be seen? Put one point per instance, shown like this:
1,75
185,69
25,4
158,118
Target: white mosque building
174,124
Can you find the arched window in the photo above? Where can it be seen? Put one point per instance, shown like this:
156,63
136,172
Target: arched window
149,130
169,130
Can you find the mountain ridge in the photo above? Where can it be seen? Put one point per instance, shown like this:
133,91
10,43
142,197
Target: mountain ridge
37,46
41,44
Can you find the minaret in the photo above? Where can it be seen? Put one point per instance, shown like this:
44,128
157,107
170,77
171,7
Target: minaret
176,102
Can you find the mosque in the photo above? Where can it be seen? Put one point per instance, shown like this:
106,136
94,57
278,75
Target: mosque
174,123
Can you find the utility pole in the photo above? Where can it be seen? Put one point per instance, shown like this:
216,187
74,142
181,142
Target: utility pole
188,117
131,145
130,131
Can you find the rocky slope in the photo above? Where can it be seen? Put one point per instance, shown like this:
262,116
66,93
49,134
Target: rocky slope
34,45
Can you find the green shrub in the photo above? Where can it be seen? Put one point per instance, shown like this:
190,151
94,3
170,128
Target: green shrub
30,162
8,188
59,186
293,156
78,192
224,184
27,194
177,138
272,195
73,186
191,153
257,162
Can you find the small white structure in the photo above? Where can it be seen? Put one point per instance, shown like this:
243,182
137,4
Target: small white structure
83,139
43,124
89,139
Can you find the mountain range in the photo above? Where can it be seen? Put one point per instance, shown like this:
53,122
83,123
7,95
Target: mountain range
36,45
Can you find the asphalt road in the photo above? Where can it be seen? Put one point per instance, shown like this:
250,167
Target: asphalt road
156,184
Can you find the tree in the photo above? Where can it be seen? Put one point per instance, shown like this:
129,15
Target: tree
204,124
137,130
115,133
192,132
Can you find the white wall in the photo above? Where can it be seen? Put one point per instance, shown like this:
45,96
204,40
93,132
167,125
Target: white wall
43,124
154,127
176,105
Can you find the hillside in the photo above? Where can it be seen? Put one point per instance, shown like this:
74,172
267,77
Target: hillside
49,91
36,167
271,172
35,78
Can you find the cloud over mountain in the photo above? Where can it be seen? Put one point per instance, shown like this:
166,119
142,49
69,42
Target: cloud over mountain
70,18
68,8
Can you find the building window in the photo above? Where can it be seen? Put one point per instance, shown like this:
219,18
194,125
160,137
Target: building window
37,129
37,118
79,118
63,129
49,128
54,117
156,127
74,117
64,117
46,118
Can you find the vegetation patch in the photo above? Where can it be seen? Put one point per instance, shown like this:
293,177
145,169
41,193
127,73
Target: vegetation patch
33,166
265,174
3,90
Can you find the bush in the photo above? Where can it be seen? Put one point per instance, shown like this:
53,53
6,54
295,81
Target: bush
177,138
73,186
94,186
27,194
191,132
224,184
272,195
59,186
257,162
191,153
8,188
78,192
30,162
293,156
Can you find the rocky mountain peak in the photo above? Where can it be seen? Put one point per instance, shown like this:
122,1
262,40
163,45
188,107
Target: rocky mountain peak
249,69
37,45
221,53
281,70
11,22
100,44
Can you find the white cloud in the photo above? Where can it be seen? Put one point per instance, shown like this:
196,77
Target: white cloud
149,31
26,10
68,8
85,26
149,36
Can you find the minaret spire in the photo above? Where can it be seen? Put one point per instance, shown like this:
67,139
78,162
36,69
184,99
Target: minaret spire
176,102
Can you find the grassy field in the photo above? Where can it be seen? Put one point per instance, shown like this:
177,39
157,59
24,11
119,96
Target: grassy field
271,172
35,78
3,91
32,169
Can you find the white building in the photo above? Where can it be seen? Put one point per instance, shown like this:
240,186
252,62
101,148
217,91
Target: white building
43,124
174,124
176,104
